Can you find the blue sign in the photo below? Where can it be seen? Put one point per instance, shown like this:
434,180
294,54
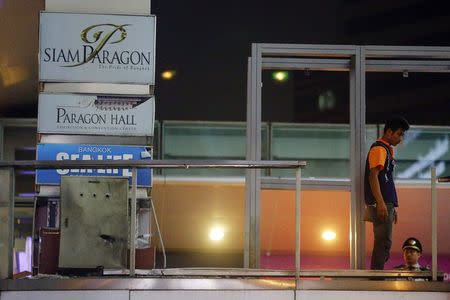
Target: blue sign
91,152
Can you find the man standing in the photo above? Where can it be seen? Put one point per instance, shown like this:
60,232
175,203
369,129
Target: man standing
379,189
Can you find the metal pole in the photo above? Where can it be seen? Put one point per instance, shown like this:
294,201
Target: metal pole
433,224
159,234
248,175
133,222
1,140
298,176
12,177
357,158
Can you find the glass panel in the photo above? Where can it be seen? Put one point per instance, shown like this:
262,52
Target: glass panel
325,242
202,223
23,227
23,211
422,148
207,140
414,219
20,145
326,149
371,135
309,111
422,98
306,97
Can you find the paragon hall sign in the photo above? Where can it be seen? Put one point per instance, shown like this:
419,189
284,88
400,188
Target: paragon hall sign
97,48
97,115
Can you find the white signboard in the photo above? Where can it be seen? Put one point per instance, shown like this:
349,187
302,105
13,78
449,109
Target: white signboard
96,115
97,48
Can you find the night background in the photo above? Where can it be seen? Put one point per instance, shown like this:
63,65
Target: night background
207,44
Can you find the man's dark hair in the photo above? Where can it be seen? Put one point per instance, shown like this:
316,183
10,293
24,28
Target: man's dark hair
396,123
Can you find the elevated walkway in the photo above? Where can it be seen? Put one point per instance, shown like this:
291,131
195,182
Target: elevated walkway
232,284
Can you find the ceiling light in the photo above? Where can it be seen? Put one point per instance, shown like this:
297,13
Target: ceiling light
280,76
329,235
216,233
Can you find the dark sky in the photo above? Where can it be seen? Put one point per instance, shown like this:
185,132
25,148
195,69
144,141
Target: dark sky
208,44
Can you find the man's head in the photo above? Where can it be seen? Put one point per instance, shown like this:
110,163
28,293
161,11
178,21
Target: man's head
412,249
395,129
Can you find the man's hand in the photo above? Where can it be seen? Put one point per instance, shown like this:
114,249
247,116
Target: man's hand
395,216
382,212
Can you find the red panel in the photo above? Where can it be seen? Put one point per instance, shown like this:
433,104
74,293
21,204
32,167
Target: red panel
48,250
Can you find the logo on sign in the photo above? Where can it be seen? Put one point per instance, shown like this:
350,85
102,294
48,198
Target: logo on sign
104,153
63,152
96,38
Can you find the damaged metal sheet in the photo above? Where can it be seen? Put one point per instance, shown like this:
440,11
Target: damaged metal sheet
94,222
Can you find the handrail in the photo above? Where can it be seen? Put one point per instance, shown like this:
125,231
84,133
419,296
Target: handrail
145,163
135,164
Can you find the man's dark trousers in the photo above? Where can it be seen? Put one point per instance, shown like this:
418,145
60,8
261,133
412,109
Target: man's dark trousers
382,232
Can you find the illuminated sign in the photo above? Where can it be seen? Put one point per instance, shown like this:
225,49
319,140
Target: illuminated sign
97,48
97,115
59,152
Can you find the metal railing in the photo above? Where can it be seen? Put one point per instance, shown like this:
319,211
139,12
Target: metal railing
434,182
134,165
10,166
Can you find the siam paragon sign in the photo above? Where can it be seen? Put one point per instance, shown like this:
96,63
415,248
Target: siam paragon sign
97,48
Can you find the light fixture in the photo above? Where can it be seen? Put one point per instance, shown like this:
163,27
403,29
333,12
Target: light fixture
405,74
216,233
280,76
168,74
329,235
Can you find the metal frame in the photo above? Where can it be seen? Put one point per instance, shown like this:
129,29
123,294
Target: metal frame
358,60
182,164
7,203
18,122
133,222
357,159
433,224
286,183
419,59
2,133
97,88
434,216
293,57
102,6
189,280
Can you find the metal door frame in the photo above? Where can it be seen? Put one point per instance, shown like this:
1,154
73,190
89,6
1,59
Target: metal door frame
357,60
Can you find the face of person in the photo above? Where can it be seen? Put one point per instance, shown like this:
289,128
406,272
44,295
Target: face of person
395,137
411,256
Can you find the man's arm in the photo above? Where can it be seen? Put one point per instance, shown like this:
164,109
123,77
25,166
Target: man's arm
376,191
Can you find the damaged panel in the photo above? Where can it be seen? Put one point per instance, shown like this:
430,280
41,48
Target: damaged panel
94,222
